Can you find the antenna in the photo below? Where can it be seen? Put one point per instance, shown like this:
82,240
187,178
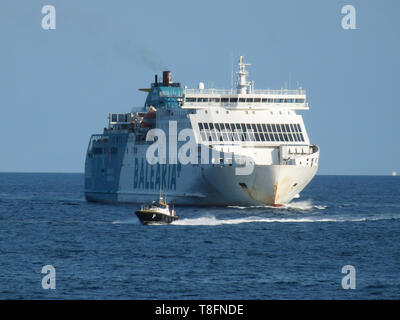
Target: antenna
242,83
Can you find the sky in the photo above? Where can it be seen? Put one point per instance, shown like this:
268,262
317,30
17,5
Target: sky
58,86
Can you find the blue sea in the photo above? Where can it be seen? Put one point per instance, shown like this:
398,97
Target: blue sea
101,251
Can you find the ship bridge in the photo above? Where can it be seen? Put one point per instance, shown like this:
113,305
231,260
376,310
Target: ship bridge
244,96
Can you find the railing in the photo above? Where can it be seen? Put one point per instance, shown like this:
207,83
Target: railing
234,91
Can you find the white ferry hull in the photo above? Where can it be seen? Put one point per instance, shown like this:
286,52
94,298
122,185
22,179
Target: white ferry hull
268,184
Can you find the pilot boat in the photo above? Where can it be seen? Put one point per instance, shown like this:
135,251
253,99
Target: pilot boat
158,212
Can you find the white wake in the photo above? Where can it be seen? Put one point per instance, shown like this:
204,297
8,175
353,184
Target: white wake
296,205
213,221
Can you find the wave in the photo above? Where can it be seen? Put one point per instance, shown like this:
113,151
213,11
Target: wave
296,205
213,221
303,205
127,221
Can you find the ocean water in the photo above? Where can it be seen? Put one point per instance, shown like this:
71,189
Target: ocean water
101,251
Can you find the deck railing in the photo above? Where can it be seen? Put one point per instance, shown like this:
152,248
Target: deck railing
255,92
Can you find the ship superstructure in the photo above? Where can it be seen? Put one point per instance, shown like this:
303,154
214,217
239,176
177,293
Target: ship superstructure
248,147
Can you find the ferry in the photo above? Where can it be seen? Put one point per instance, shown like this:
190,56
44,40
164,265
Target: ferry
241,146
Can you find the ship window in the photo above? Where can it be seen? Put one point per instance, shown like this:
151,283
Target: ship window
290,137
271,137
257,137
233,100
299,100
214,99
251,135
257,99
224,99
269,128
200,126
287,128
301,136
242,99
278,128
289,100
248,126
264,100
219,136
230,135
243,127
238,126
282,127
190,99
259,127
253,126
97,150
281,137
273,127
264,128
298,128
292,127
225,135
217,126
211,125
249,99
236,136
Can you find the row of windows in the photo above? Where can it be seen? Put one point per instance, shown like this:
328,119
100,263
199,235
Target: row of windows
236,99
251,132
98,150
